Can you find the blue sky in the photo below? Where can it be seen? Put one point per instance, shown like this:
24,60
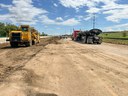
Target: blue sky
61,16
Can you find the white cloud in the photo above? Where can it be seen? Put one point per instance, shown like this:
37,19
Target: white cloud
80,17
76,3
93,10
55,5
120,26
4,6
88,17
59,19
46,20
69,22
116,27
80,3
115,11
4,17
66,16
22,11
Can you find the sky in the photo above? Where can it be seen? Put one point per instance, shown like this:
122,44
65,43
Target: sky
57,17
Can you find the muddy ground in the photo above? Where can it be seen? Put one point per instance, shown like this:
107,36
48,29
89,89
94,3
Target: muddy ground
64,68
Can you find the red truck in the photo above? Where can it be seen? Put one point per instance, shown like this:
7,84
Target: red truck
89,37
75,34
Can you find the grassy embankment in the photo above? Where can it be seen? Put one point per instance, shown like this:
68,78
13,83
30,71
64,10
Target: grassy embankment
115,37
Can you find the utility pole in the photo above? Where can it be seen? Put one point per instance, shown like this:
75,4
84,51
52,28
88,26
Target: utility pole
94,20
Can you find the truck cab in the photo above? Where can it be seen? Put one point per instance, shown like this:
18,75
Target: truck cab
75,34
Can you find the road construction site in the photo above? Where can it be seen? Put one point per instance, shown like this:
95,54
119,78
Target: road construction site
62,67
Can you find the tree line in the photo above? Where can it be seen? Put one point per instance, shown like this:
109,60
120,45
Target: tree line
5,28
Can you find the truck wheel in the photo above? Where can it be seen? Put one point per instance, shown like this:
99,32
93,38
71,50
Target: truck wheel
89,40
84,39
33,42
100,41
28,44
14,44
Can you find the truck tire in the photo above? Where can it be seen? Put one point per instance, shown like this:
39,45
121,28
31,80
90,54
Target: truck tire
89,40
28,44
100,41
84,39
14,44
33,42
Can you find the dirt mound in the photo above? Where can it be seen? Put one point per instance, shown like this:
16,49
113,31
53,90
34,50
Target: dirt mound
50,40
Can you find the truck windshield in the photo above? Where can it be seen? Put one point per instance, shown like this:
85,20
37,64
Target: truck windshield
24,29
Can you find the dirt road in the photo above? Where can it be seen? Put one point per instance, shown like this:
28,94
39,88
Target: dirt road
64,68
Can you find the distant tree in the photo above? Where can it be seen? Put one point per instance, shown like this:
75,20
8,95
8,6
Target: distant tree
10,27
43,34
5,28
2,30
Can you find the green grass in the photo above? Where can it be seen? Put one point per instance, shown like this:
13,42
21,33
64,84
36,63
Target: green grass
116,41
115,37
123,34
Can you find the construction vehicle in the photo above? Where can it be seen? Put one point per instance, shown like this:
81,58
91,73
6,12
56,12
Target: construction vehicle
89,37
25,35
74,35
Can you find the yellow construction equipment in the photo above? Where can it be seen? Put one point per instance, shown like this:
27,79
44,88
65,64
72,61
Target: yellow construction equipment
25,35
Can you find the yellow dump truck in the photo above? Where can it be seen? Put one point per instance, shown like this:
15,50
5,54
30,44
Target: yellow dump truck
26,35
